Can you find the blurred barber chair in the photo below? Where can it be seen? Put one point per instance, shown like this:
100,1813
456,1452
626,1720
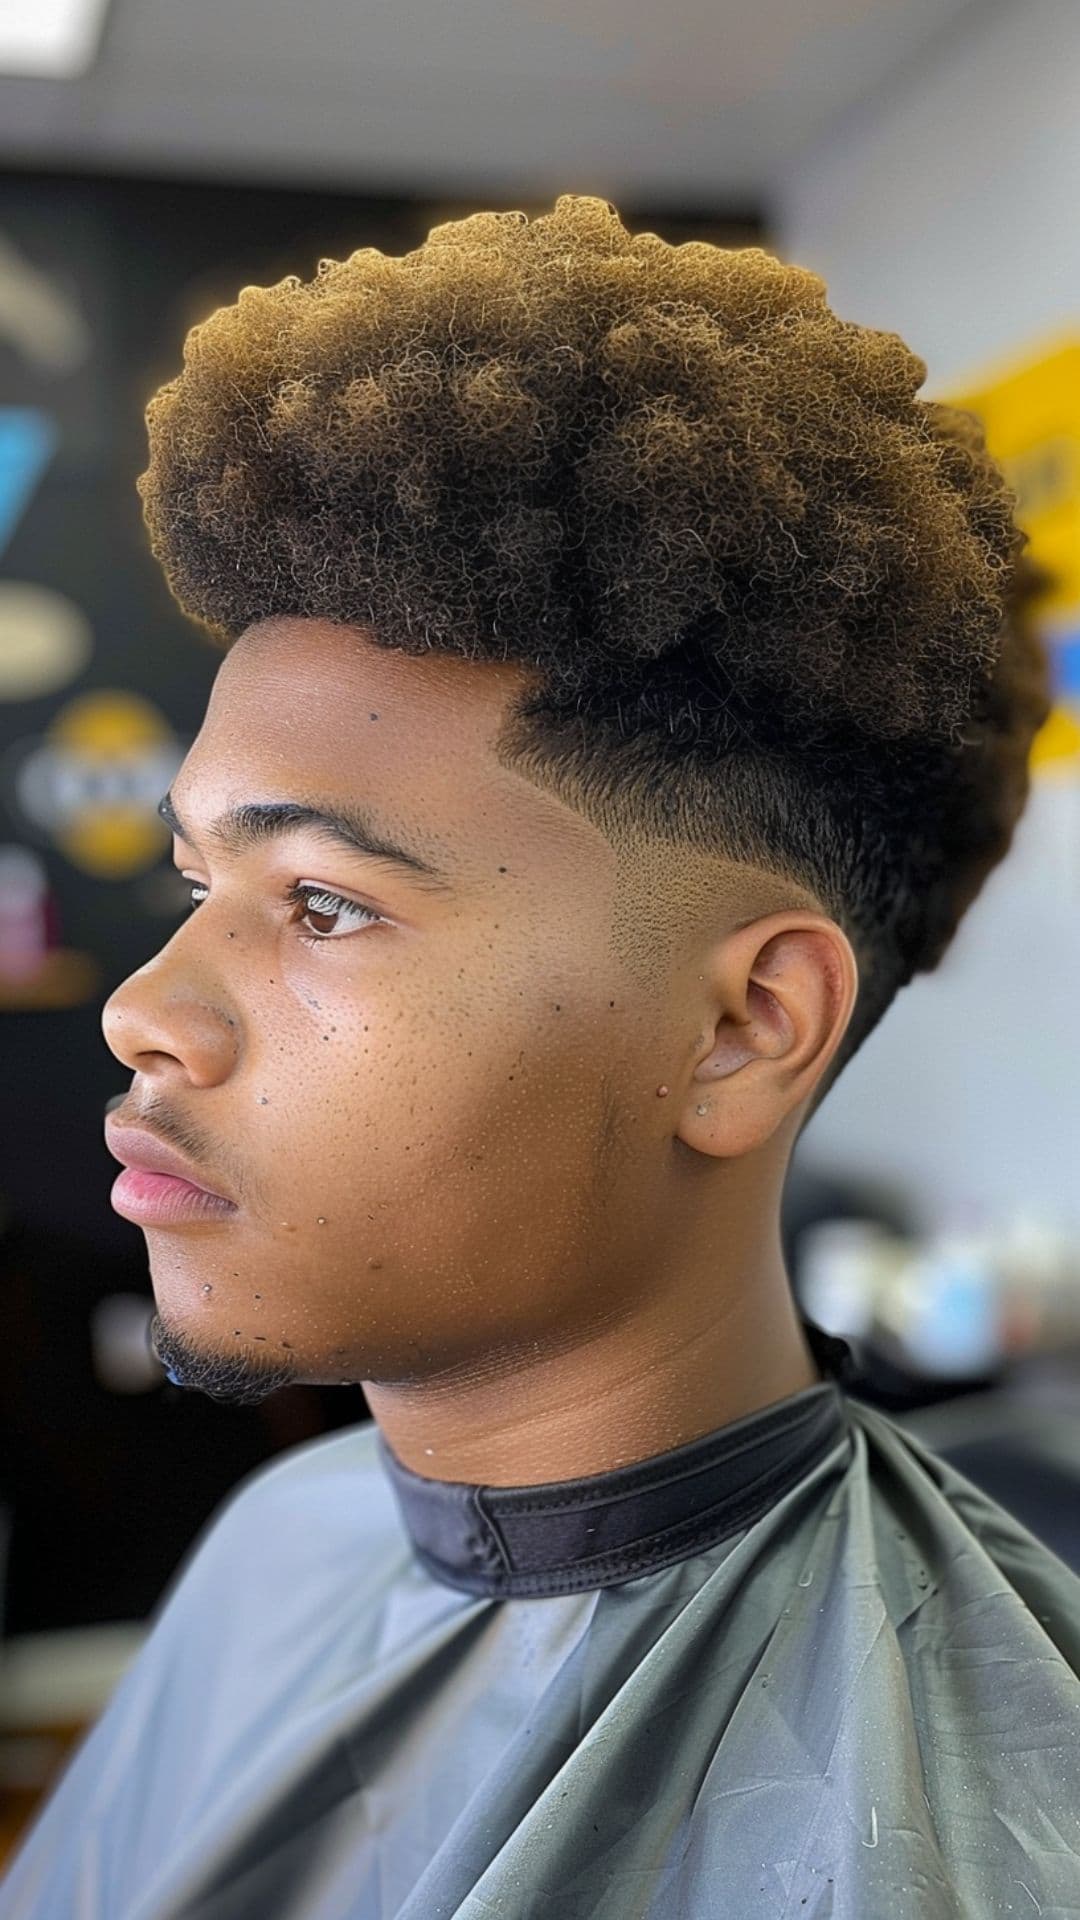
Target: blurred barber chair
1015,1433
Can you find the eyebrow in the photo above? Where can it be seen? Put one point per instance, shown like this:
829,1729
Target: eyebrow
252,823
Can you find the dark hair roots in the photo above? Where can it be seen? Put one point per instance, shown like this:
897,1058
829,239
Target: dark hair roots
771,596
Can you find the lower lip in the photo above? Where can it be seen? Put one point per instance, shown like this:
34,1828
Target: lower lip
158,1199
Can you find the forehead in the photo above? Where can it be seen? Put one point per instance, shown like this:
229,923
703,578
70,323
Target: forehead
308,705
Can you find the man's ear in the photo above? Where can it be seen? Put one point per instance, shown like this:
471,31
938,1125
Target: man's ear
779,994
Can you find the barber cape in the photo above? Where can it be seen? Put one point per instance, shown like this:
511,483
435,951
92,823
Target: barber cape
800,1669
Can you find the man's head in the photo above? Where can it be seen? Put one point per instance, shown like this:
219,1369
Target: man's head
642,599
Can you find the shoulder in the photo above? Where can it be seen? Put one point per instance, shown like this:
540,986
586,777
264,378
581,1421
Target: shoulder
321,1511
321,1466
963,1538
316,1501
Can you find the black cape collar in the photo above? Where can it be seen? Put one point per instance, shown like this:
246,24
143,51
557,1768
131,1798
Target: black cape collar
605,1528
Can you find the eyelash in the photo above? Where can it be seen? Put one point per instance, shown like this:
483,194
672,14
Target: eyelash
300,895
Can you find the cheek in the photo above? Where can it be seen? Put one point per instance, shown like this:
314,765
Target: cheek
419,1198
354,1111
426,1112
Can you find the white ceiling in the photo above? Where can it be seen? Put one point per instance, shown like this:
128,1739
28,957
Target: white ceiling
700,101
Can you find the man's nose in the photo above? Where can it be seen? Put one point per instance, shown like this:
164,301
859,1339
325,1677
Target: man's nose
145,1018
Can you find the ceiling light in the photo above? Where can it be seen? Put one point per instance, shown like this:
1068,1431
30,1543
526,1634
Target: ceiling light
57,39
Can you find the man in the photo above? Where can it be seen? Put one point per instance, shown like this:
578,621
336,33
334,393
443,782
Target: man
619,706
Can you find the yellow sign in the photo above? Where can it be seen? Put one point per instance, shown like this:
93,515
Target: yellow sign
92,783
1030,411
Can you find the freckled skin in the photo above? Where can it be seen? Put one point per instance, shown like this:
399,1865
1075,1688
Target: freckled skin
529,1203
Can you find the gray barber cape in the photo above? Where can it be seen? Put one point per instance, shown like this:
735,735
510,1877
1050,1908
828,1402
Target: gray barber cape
800,1669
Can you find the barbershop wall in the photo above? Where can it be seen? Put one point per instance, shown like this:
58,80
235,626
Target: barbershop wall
947,209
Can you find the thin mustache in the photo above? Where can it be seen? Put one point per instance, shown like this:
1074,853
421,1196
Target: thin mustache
161,1128
147,1123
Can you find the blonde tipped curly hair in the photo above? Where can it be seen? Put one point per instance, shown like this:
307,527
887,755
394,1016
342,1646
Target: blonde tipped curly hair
773,599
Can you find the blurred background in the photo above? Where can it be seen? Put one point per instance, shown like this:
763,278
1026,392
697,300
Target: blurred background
925,160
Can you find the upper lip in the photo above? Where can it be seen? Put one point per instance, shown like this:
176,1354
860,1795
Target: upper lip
136,1148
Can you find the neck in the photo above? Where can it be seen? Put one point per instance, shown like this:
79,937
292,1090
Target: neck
697,1355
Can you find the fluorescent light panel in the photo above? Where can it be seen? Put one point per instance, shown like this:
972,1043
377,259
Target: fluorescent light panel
57,39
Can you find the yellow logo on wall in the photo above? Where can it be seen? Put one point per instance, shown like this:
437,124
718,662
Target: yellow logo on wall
93,782
1030,411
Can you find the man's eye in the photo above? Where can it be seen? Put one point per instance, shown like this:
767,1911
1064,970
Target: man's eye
315,901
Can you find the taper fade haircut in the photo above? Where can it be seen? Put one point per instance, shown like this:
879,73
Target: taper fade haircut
773,599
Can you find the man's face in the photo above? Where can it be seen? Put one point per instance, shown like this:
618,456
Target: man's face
414,1111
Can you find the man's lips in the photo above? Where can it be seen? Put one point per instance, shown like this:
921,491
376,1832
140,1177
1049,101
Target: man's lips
136,1148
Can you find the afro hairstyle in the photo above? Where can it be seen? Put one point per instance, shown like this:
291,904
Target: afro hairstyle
774,601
